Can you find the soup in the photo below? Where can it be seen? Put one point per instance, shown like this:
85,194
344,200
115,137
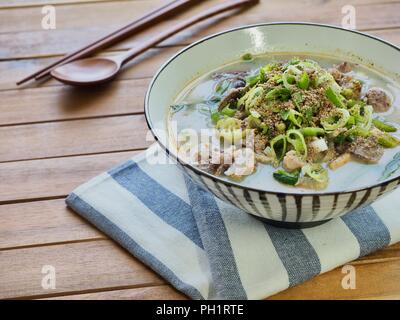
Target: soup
306,122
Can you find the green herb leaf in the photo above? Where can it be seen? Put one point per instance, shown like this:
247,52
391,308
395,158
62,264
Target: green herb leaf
247,57
287,178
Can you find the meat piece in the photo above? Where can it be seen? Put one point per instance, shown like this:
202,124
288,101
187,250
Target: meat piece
378,99
319,145
316,149
340,161
347,82
232,95
343,67
338,71
218,161
239,83
221,169
243,165
366,149
291,161
336,74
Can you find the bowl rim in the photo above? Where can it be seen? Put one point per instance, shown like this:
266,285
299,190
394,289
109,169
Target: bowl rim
232,183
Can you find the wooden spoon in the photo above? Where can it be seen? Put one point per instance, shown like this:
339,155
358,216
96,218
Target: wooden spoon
97,70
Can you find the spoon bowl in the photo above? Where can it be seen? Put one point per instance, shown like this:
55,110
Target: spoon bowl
87,71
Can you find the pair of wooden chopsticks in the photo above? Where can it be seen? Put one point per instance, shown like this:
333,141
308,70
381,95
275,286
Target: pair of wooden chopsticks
153,16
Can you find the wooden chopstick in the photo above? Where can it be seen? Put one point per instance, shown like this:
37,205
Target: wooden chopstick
211,12
118,35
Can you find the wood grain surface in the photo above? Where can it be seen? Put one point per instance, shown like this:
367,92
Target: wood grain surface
54,137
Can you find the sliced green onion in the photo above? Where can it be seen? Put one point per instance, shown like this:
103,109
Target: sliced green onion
367,116
215,116
316,171
266,69
296,139
347,93
388,141
351,103
253,122
351,122
252,98
254,113
335,98
262,76
298,99
304,81
293,116
383,126
312,131
228,111
280,126
228,124
326,79
336,121
264,128
270,66
277,78
278,146
252,80
278,93
358,132
230,130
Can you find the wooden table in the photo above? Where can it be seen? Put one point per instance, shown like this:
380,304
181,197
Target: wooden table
54,137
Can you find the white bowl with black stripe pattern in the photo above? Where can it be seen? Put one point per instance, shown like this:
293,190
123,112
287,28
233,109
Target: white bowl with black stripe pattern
290,207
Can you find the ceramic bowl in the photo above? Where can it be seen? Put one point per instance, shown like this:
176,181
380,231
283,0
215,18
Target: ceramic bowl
356,186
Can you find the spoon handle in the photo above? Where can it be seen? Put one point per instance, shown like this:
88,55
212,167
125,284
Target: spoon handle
179,27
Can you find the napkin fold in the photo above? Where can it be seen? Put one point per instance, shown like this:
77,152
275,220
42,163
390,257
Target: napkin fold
209,249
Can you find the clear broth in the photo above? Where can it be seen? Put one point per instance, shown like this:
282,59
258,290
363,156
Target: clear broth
196,115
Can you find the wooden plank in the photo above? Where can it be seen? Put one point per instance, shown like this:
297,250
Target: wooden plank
327,286
27,3
8,4
76,16
391,35
142,67
372,281
100,265
40,223
117,13
78,137
58,103
163,292
51,178
22,39
80,268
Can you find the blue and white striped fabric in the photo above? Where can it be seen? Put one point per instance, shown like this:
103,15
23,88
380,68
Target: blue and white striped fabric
209,249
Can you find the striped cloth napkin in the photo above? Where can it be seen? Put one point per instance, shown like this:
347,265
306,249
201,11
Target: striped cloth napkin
209,249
